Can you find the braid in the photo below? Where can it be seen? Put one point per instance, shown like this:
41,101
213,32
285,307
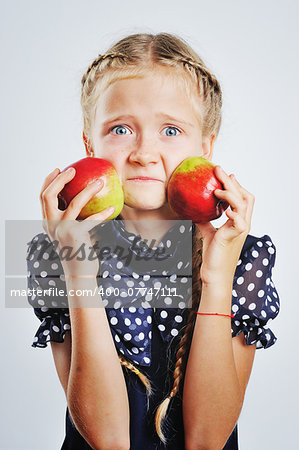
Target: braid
97,62
185,342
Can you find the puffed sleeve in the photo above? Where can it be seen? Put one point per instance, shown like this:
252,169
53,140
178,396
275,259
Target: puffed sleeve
47,292
255,301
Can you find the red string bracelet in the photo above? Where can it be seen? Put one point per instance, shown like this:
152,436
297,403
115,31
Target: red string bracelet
216,314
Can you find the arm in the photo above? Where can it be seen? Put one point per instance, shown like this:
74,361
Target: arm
96,391
217,374
218,367
95,386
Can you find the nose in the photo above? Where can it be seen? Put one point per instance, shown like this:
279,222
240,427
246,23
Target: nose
144,152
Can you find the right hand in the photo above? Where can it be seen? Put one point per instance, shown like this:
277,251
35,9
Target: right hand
63,227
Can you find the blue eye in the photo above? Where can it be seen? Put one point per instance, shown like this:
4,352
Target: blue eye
120,130
172,131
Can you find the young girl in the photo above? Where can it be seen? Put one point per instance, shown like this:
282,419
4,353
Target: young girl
172,376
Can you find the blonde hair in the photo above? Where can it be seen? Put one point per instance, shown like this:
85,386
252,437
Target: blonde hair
135,56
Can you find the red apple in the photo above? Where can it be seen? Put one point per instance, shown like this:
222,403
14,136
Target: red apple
87,170
190,191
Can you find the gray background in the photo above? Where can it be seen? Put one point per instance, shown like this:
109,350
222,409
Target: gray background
253,49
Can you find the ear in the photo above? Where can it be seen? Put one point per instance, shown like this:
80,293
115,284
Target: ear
207,146
88,148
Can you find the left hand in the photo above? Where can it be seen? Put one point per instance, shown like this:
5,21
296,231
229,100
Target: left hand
222,247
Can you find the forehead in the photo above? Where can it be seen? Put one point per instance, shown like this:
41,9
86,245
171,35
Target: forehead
162,89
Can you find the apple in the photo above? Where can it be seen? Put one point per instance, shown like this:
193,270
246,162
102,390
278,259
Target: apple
88,170
190,191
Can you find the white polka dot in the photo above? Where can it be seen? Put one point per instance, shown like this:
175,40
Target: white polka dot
135,275
250,287
41,302
146,359
271,250
138,321
255,254
259,243
263,313
43,274
184,280
157,285
163,314
117,305
268,281
146,277
182,305
242,300
248,266
116,338
239,262
149,319
128,336
234,293
36,264
141,336
265,261
105,274
259,273
252,306
168,243
52,283
117,277
150,334
55,328
178,319
44,309
269,243
273,308
235,308
245,317
132,309
240,280
46,332
182,229
161,327
127,322
268,337
113,321
172,277
179,265
130,283
119,264
67,326
261,293
46,255
237,323
174,332
167,300
135,350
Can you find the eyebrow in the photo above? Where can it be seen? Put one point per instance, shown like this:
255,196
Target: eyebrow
130,116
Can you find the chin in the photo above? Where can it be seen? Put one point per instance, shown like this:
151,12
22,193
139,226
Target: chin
147,202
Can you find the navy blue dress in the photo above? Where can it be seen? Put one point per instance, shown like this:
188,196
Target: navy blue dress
149,336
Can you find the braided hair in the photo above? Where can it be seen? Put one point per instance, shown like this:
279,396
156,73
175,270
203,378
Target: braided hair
134,56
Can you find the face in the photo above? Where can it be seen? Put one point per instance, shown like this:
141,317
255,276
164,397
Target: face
146,127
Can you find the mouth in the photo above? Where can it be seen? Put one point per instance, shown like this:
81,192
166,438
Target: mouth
144,179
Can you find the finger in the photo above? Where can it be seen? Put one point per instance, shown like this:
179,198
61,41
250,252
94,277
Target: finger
222,176
89,223
79,201
235,200
50,194
46,183
238,222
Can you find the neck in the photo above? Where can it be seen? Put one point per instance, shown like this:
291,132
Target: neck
149,224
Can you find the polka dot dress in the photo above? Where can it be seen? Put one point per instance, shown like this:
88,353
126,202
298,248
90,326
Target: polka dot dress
255,302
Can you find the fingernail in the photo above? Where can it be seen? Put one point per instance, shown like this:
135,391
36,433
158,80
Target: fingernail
110,209
70,170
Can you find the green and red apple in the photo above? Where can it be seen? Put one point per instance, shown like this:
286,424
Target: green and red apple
88,170
190,191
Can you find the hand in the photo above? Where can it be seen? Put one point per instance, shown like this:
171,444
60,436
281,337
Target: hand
63,227
222,247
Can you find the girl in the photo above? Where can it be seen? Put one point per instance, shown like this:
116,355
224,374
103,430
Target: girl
168,377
